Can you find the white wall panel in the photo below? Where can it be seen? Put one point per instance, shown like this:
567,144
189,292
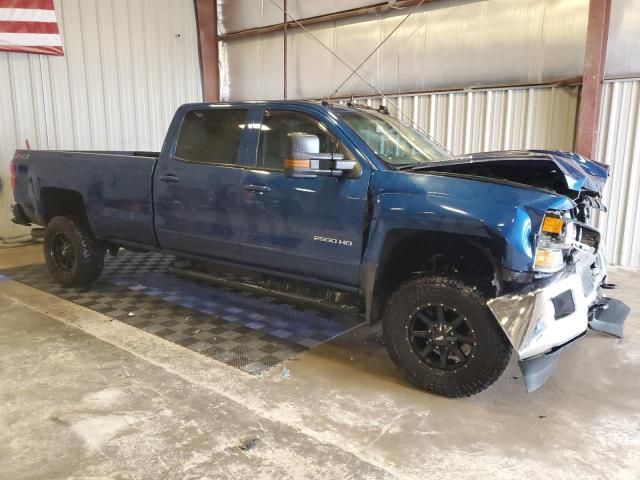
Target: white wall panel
128,65
623,50
491,119
444,44
234,15
619,147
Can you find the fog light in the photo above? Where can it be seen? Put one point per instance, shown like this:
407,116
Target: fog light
549,260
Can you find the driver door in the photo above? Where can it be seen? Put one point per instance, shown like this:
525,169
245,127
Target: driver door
312,227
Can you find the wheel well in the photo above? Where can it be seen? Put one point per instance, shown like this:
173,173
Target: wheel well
406,253
60,201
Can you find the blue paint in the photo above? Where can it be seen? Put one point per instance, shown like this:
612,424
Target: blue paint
209,213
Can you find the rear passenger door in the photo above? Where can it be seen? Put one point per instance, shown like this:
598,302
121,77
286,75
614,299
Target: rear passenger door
198,182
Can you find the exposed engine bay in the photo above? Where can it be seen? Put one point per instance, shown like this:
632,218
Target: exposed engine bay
545,175
539,169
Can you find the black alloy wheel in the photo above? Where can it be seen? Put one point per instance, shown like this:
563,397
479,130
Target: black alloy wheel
62,252
441,337
440,333
75,258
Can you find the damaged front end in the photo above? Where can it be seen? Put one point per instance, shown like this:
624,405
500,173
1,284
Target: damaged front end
547,307
549,315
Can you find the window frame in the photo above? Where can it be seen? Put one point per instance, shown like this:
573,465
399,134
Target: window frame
242,144
335,132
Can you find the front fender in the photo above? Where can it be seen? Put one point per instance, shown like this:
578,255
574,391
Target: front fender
504,216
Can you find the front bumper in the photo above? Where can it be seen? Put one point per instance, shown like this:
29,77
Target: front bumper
547,316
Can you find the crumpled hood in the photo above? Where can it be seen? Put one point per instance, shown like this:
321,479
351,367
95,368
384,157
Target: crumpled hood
580,173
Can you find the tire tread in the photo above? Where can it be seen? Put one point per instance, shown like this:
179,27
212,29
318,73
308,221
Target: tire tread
442,385
90,260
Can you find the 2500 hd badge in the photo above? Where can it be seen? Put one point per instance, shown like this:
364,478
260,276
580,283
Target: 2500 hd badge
347,243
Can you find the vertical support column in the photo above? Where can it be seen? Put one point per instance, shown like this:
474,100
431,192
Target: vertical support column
284,40
207,20
593,77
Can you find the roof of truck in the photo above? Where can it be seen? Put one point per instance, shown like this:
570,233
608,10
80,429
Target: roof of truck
280,103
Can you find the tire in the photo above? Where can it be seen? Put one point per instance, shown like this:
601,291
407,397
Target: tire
433,321
74,257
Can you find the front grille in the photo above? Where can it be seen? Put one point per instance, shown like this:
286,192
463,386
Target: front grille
589,236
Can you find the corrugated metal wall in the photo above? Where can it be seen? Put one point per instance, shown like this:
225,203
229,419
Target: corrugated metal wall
491,119
128,65
623,59
234,15
443,45
619,146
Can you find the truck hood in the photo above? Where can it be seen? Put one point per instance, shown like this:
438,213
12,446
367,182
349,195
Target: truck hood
563,172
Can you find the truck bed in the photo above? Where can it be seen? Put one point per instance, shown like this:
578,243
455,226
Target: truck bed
115,187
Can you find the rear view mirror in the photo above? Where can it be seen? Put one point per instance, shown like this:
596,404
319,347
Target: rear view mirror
306,161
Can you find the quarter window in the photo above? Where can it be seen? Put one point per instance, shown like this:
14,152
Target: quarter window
211,136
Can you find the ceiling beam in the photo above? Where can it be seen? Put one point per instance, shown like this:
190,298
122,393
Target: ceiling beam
378,8
593,77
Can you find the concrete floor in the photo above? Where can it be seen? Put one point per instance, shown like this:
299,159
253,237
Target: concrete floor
85,397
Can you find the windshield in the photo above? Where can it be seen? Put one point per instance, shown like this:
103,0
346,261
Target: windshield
396,143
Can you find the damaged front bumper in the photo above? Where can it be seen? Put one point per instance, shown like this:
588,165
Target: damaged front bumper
548,316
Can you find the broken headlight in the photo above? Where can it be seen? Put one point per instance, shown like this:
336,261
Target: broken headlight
556,238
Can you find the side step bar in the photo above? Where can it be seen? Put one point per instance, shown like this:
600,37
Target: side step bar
239,283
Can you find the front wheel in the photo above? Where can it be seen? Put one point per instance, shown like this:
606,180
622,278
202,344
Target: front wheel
74,257
441,335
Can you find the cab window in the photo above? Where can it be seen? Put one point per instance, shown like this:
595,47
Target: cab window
211,136
278,125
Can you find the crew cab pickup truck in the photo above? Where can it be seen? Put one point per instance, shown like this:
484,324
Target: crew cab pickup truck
464,259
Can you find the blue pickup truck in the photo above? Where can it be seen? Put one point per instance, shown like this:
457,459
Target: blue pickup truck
464,259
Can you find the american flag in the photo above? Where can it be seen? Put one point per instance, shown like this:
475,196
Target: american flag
29,26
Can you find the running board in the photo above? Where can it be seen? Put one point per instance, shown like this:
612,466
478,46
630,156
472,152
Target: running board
239,283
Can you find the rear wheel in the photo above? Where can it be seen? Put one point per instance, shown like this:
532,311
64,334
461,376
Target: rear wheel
74,256
440,333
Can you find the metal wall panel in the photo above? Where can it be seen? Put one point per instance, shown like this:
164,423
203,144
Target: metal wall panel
234,15
491,119
128,65
444,44
619,147
623,51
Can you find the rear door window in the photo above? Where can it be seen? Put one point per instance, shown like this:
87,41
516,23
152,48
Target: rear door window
211,136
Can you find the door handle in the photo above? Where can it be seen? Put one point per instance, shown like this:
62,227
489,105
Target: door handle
169,178
257,188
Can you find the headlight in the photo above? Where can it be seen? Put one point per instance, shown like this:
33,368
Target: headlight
548,259
554,233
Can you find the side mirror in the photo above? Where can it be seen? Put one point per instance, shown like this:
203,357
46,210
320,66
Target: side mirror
306,161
